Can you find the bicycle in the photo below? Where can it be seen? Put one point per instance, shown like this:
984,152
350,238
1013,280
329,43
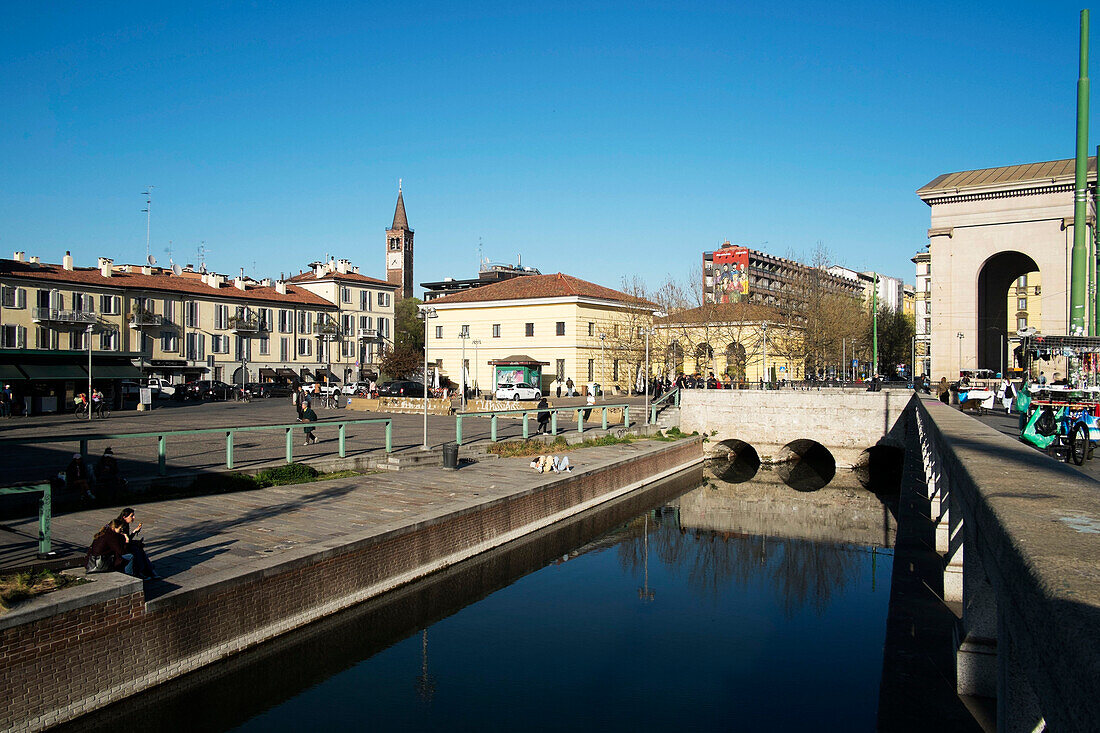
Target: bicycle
100,410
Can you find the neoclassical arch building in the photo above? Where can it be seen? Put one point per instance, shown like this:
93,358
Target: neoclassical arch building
988,228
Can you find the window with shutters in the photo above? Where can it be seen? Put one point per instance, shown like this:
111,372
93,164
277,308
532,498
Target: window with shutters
14,297
559,328
529,329
191,314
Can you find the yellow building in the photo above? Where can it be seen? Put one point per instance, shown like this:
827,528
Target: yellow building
151,322
737,342
573,328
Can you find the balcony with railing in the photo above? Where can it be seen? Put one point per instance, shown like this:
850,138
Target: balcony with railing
368,333
144,318
246,325
58,315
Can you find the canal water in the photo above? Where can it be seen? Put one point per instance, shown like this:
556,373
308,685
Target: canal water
711,607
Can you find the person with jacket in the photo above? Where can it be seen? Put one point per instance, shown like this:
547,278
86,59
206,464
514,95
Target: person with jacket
543,417
135,546
296,399
109,545
309,416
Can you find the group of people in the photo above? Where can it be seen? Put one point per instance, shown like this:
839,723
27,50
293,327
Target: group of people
81,400
117,548
104,481
303,405
546,464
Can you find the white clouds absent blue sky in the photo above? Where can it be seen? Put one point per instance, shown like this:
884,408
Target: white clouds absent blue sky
598,139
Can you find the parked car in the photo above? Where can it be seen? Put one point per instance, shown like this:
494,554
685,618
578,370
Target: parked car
354,388
205,389
401,388
162,388
521,391
268,389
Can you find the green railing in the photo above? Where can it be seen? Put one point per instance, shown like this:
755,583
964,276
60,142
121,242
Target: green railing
493,414
670,397
45,511
163,435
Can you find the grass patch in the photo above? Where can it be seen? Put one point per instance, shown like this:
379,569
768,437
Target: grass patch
19,587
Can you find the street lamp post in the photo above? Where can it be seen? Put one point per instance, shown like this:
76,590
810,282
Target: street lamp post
476,343
426,313
960,336
649,331
764,328
603,358
88,334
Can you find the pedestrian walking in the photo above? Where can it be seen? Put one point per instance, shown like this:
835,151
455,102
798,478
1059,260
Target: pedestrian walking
6,398
543,417
557,386
296,398
309,416
569,386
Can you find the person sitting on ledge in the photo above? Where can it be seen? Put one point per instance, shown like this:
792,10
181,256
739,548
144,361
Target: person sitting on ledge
135,546
107,552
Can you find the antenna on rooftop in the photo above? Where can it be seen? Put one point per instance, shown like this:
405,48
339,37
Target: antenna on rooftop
148,210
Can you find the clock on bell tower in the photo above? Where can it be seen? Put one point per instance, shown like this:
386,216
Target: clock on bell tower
399,250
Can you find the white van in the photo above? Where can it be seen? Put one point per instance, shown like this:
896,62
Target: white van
162,388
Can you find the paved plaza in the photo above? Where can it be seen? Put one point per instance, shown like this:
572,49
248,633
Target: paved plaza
137,457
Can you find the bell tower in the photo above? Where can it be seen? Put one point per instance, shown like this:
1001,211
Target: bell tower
399,250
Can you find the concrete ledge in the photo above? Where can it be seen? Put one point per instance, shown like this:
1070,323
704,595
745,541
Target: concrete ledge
101,587
1036,523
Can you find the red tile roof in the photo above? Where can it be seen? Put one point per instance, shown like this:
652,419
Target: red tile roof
539,286
160,281
341,276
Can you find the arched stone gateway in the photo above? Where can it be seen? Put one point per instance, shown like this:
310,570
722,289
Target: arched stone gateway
988,226
994,278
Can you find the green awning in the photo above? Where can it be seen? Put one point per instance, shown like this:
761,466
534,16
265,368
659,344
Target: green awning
115,371
10,373
53,371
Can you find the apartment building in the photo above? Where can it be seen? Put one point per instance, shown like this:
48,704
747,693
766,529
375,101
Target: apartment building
134,322
361,329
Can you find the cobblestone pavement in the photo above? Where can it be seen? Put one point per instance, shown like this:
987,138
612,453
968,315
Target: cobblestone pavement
138,456
201,539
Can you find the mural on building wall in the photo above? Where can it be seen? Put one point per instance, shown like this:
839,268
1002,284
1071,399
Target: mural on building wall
731,274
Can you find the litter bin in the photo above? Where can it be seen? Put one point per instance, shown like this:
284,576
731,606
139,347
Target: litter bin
450,455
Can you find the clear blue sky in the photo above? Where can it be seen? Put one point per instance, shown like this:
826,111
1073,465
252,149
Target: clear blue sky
599,139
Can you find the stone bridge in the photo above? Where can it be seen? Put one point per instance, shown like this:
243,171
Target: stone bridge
847,422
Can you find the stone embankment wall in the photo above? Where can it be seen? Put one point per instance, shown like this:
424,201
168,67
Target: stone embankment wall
845,422
62,659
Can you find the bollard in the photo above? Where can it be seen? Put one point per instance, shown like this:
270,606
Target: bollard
626,416
554,422
603,422
580,421
389,436
458,429
525,431
229,449
493,428
289,445
343,431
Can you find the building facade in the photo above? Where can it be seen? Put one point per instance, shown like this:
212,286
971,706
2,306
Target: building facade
148,321
576,329
488,275
733,274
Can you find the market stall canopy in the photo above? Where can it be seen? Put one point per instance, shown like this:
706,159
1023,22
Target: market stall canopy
518,360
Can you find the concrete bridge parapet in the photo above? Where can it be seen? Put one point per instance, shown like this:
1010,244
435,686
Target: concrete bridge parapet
1020,537
846,422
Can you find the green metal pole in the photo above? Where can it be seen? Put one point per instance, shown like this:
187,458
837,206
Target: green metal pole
343,439
162,455
874,327
389,436
526,435
1079,269
458,429
229,449
1095,249
45,513
290,445
554,422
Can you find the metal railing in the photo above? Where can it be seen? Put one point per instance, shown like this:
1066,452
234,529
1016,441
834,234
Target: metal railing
163,435
45,511
140,319
672,397
58,315
524,413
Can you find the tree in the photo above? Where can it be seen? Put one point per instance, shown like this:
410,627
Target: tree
402,362
408,328
895,339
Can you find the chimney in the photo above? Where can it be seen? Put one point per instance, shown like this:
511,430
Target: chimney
343,266
105,266
146,270
280,287
127,268
356,271
36,260
67,261
20,256
266,282
319,270
238,282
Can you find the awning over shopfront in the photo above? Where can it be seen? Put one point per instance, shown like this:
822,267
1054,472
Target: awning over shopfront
9,373
115,371
306,373
266,373
53,371
325,374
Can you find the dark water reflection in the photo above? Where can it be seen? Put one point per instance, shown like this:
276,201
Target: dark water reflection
624,619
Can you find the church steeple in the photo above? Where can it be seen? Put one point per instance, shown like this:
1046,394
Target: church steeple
400,220
399,250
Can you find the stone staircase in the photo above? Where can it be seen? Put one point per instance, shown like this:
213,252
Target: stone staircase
668,417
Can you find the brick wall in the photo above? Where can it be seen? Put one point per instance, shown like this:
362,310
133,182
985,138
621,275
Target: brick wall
60,666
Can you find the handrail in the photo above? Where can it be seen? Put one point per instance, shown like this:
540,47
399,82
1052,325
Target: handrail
493,414
45,512
672,393
162,437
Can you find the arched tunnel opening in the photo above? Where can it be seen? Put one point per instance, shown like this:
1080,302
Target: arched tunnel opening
734,461
805,465
879,469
